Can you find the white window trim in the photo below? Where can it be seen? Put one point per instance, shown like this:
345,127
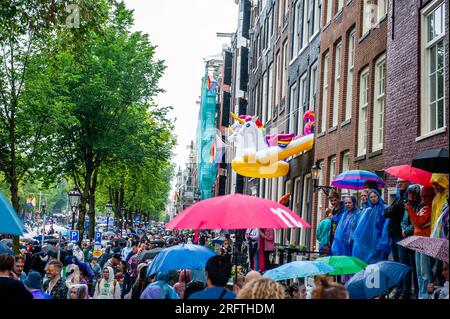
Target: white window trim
424,94
302,93
381,60
337,84
325,96
363,150
350,74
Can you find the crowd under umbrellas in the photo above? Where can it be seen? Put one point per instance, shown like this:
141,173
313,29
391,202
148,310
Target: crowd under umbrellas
197,254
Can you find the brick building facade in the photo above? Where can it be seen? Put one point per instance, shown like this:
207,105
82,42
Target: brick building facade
350,113
408,62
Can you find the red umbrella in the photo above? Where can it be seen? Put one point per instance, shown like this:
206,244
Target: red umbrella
412,174
236,211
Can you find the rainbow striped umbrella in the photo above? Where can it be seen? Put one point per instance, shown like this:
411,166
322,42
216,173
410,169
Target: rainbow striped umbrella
356,179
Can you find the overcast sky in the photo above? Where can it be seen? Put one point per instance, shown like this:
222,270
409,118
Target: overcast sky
185,33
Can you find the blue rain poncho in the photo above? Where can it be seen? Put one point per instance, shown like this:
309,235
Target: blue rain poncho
371,241
324,232
167,290
343,238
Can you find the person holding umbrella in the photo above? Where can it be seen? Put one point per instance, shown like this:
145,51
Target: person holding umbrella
408,256
337,211
395,213
343,239
421,219
371,238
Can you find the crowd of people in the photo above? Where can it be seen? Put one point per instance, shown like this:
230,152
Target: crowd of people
372,229
363,227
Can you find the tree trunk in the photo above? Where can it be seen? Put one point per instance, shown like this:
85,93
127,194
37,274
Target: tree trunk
14,188
92,206
85,195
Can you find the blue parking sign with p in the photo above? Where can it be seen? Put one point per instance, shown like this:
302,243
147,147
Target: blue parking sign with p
98,237
74,235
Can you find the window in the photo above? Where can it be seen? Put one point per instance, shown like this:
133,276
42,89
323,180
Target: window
337,81
285,69
433,71
327,11
382,9
316,25
270,24
351,63
257,97
286,8
369,16
313,78
306,205
332,170
270,93
292,107
340,5
378,109
320,207
363,105
295,35
296,207
280,15
324,107
266,188
278,83
274,189
305,24
301,101
264,98
346,162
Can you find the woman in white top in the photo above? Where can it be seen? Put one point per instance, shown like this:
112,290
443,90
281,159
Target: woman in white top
107,287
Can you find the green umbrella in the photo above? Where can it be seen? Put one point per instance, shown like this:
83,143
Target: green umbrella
344,265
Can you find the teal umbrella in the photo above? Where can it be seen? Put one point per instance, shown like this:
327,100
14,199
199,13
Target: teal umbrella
9,221
299,269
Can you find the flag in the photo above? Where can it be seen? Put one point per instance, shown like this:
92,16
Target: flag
30,201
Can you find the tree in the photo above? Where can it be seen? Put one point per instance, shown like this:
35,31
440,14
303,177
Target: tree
25,115
106,82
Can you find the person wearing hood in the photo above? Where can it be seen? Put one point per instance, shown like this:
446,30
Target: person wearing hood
324,232
107,287
152,292
421,219
343,238
395,213
408,256
371,239
78,253
167,290
183,279
34,285
440,184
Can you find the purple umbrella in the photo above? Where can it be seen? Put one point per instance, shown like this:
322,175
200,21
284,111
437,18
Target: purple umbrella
433,247
356,179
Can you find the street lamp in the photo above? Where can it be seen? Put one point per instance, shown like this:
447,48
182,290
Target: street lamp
122,219
74,200
108,209
43,216
315,172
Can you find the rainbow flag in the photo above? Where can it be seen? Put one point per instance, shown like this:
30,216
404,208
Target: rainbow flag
30,201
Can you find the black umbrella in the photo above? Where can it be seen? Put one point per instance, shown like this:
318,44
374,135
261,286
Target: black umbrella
49,250
51,241
149,254
433,161
29,240
157,242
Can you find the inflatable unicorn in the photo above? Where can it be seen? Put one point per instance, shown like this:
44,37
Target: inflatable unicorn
263,156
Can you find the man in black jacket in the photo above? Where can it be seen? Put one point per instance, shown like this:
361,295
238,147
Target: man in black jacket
395,213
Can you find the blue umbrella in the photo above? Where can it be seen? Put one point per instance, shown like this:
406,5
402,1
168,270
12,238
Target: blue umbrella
183,256
376,279
299,269
10,222
5,249
356,179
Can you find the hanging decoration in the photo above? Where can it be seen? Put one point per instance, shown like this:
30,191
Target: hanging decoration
263,156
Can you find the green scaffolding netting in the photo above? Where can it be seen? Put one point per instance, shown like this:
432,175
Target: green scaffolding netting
205,135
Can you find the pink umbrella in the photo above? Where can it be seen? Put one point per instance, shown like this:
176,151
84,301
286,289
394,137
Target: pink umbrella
411,174
236,211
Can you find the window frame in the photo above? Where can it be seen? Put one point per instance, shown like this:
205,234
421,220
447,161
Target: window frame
350,72
325,93
337,83
377,121
362,125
